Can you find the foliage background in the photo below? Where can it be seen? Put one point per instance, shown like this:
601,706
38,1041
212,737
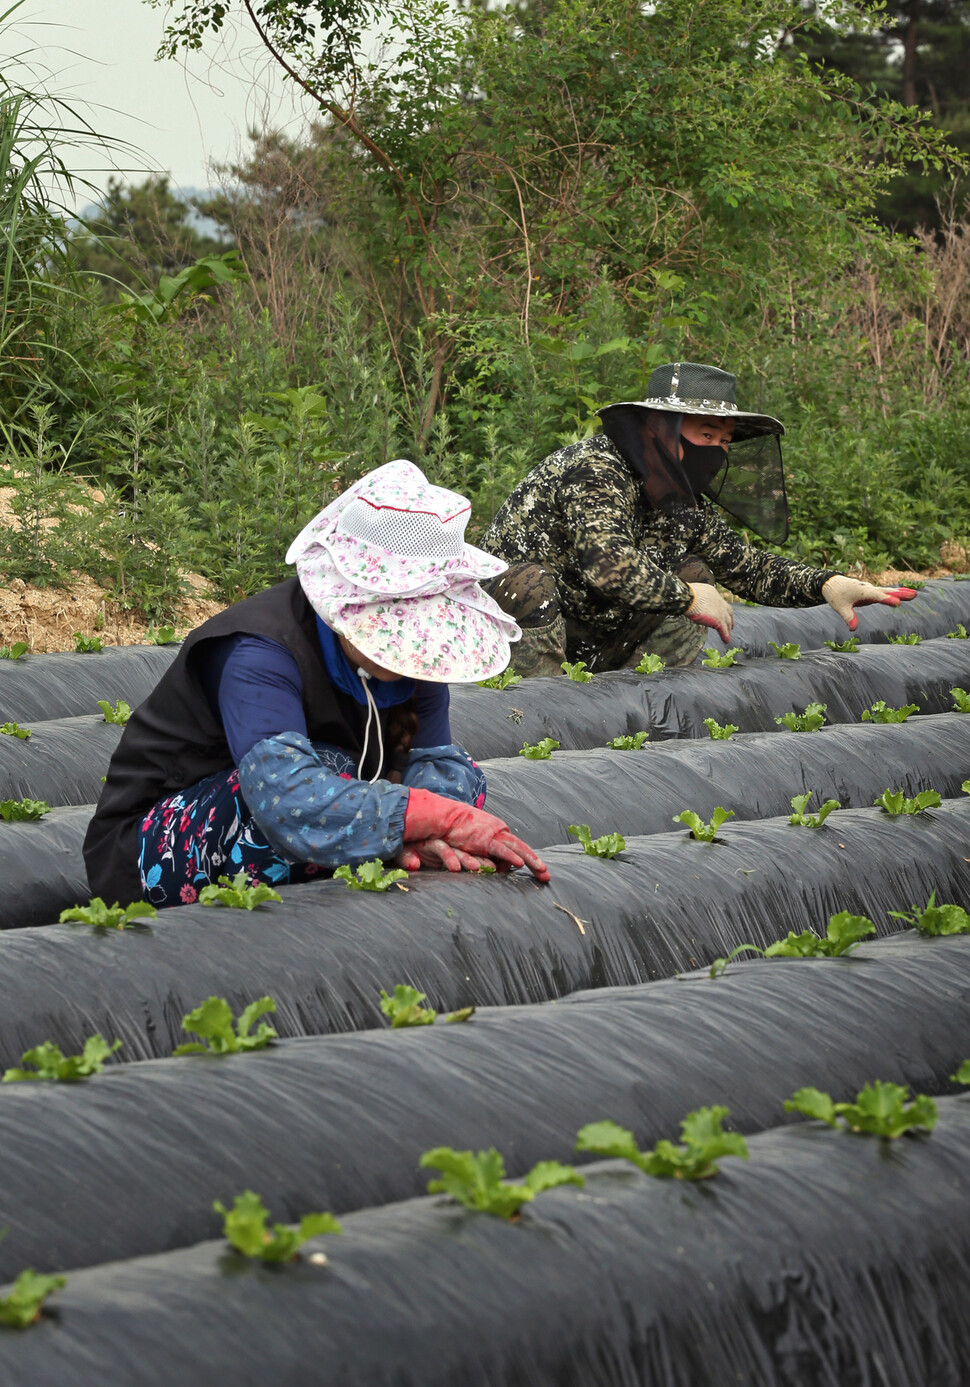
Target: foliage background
504,221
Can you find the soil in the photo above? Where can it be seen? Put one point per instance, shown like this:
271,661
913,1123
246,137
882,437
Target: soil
48,617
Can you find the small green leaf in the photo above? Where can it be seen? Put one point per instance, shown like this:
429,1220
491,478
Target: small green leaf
24,1305
720,964
894,802
962,1076
810,721
610,1140
369,876
103,916
789,651
404,1008
704,1143
881,712
960,634
49,1063
911,638
119,713
701,831
239,894
576,672
15,651
650,664
631,743
87,645
505,680
245,1229
813,1103
13,729
936,920
712,660
23,810
478,1181
607,846
847,647
541,751
961,700
161,635
718,733
213,1021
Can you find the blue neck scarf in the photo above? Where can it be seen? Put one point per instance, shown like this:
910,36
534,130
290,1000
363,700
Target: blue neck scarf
345,677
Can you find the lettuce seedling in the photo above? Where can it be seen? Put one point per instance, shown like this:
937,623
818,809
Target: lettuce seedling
965,787
719,733
370,876
213,1021
628,743
960,634
843,934
791,650
894,802
936,920
13,652
13,729
607,846
87,645
720,964
478,1181
120,713
911,638
245,1228
107,916
18,811
238,894
962,1076
161,635
881,712
404,1008
810,721
848,647
704,832
704,1143
650,664
802,820
879,1110
25,1303
577,672
541,751
961,700
712,660
51,1064
505,680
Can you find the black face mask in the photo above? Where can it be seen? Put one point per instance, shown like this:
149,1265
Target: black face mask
701,463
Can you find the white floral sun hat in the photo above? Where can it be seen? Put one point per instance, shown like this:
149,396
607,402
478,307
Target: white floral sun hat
387,566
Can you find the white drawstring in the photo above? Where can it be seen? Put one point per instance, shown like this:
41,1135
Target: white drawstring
371,712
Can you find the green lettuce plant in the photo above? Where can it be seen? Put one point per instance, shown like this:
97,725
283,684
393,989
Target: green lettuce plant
220,1034
15,811
810,721
607,846
719,733
576,672
960,634
791,650
880,1110
962,1076
369,876
24,1305
540,751
50,1063
881,712
936,920
119,713
628,743
911,638
161,635
846,647
704,1143
87,645
801,819
403,1008
478,1181
244,1226
961,700
843,933
704,832
107,916
15,651
238,894
505,680
650,664
13,729
713,660
894,802
720,964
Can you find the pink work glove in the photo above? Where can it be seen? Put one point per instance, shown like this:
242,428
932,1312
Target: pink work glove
710,609
842,594
453,835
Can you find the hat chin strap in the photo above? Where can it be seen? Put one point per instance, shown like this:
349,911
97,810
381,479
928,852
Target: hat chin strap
371,713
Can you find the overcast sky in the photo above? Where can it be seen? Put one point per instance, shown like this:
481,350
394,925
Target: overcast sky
179,115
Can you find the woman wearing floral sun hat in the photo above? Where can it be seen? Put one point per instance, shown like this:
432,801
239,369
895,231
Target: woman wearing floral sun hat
307,726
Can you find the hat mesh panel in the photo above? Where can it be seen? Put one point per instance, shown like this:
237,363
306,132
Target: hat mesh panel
415,534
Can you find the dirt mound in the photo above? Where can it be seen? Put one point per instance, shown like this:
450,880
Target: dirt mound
48,617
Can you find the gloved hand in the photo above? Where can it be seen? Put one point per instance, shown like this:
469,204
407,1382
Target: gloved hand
842,594
466,830
710,609
439,855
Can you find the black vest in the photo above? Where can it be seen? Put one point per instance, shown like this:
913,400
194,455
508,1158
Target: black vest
174,739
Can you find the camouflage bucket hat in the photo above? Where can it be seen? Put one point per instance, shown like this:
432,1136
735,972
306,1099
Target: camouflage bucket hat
688,387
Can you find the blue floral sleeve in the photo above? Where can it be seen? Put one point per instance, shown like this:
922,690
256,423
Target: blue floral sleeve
446,770
311,808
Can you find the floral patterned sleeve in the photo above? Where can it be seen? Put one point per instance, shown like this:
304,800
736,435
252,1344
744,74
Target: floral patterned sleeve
448,771
756,573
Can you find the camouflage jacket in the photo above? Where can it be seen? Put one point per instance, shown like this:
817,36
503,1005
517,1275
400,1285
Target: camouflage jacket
583,515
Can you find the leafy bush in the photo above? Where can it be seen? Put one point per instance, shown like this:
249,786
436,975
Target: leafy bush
911,638
704,832
791,650
935,920
87,645
843,934
107,916
238,894
505,680
650,664
894,802
213,1021
704,1143
719,733
369,876
51,1064
541,751
712,660
576,672
881,712
846,647
25,1303
245,1229
478,1181
803,820
810,721
961,700
13,729
403,1008
607,846
628,743
119,713
880,1109
23,810
15,651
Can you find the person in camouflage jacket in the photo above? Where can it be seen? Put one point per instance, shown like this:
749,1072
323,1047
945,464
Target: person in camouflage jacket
614,551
